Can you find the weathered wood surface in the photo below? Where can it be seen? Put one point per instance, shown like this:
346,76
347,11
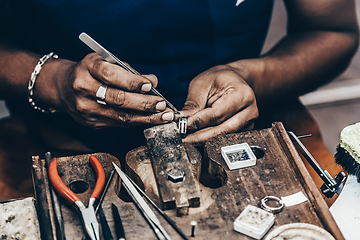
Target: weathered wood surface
168,154
224,193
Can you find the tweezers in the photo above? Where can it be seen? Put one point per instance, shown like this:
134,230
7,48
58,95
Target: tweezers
109,57
144,208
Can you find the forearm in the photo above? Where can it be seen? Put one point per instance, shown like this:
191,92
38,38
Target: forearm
16,66
299,63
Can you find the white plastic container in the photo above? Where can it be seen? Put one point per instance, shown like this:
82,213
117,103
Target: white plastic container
238,156
254,222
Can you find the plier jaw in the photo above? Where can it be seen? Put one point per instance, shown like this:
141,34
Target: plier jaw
89,220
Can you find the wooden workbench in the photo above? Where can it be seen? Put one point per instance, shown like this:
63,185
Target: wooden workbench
224,193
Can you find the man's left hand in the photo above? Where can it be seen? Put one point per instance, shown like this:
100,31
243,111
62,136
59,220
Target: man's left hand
219,101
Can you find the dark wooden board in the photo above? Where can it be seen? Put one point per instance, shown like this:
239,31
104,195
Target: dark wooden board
279,172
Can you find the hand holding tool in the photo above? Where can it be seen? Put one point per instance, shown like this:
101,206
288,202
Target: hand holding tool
87,213
109,57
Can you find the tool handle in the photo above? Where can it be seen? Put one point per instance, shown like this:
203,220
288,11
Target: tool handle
58,184
100,173
120,233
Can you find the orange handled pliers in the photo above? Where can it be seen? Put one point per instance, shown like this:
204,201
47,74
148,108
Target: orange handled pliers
88,214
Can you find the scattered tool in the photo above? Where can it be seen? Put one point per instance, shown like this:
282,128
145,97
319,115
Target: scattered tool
98,209
193,225
166,217
60,229
148,214
104,225
88,216
330,186
120,233
105,190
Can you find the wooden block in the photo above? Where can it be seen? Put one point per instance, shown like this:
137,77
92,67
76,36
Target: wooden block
169,160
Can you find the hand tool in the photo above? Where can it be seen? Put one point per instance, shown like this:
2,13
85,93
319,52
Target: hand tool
148,214
98,209
88,216
104,225
101,198
162,213
120,233
330,186
109,57
60,229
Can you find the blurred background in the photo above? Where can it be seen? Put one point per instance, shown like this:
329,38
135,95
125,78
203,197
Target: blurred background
334,105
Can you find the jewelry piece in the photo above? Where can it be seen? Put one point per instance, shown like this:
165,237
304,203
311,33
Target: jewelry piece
182,125
31,84
278,208
100,95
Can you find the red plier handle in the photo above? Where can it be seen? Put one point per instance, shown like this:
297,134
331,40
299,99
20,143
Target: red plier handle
65,192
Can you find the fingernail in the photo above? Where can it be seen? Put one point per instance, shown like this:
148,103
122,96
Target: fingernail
146,87
168,116
160,106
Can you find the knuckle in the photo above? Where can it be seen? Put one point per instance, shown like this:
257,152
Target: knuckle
105,70
80,107
146,105
196,124
91,123
79,85
119,98
216,119
124,117
133,85
191,105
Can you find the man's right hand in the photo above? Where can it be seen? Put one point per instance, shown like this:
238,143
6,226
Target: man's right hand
127,103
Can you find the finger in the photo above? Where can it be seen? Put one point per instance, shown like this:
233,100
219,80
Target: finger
221,110
91,114
114,75
134,101
240,121
112,118
153,79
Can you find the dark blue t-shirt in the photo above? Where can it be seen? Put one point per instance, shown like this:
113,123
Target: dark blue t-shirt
175,40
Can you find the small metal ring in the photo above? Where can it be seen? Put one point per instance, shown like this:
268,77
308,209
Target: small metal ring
100,94
272,209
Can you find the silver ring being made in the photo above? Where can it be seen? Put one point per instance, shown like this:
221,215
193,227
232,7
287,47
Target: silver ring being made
100,94
278,208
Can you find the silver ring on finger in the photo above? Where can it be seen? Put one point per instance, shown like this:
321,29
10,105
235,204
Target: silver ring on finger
100,94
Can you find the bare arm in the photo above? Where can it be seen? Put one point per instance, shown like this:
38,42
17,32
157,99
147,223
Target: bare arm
322,38
71,87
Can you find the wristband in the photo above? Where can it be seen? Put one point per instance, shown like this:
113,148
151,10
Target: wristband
31,84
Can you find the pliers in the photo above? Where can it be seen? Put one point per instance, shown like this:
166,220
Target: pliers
87,213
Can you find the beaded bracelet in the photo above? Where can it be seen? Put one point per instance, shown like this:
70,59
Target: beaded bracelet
34,75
